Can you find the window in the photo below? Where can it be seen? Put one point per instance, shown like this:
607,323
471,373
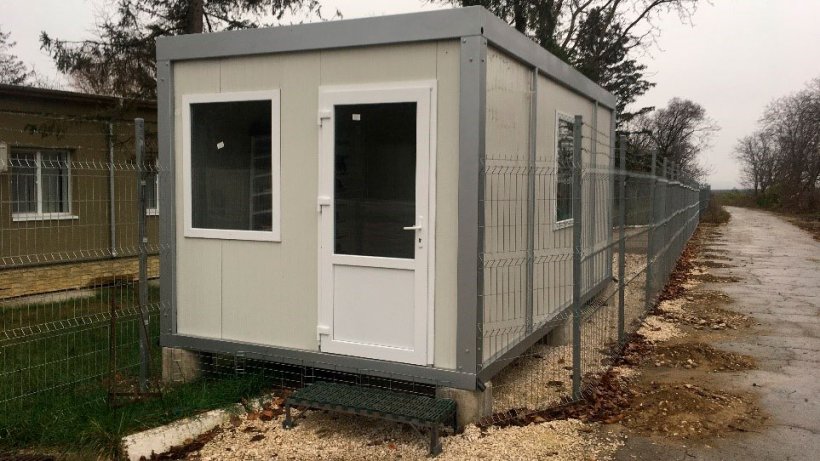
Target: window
564,146
231,156
152,194
40,184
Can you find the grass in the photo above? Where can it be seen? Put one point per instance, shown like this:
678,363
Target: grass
58,424
54,376
809,222
715,213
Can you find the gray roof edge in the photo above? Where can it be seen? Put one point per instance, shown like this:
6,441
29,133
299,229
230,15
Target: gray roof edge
381,30
512,42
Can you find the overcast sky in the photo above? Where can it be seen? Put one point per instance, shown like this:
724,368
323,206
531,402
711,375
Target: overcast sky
734,57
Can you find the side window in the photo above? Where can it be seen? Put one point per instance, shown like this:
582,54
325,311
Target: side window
232,155
40,184
152,194
563,168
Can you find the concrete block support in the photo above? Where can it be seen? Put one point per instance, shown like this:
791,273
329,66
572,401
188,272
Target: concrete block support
471,405
180,365
561,335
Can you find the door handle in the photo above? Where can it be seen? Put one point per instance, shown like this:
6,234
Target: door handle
417,227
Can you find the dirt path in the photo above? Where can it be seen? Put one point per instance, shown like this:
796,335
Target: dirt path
771,405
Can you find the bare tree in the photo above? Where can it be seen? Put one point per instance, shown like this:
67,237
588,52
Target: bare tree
783,157
680,132
794,124
759,162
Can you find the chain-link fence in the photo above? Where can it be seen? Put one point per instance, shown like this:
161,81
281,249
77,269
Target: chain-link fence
577,245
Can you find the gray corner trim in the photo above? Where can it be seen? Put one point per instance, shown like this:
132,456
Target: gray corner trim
507,39
343,363
470,273
404,28
167,203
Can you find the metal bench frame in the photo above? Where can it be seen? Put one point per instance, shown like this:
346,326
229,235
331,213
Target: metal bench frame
296,400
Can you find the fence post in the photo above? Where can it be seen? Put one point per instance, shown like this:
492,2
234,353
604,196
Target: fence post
139,136
621,239
667,172
533,127
651,233
576,257
112,211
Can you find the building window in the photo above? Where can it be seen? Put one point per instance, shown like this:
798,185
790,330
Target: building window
231,156
152,194
564,146
40,184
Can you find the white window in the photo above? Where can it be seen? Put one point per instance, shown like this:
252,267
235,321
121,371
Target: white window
40,184
231,165
564,148
152,194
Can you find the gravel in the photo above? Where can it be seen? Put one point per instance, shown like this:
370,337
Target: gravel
672,306
537,380
655,329
327,436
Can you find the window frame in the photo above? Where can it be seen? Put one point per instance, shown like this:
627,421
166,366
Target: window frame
568,222
39,215
273,235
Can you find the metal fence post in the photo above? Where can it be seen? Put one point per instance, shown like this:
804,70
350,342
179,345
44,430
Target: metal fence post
666,173
139,136
576,257
112,211
621,239
533,128
651,233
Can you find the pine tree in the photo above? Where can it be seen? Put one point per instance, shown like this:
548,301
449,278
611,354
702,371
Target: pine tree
598,37
13,71
121,60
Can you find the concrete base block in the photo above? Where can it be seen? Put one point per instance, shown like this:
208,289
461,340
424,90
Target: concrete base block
180,365
472,405
561,335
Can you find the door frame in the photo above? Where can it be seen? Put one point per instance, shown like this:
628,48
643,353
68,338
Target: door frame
423,92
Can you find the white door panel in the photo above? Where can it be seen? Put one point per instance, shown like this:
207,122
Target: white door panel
375,154
366,299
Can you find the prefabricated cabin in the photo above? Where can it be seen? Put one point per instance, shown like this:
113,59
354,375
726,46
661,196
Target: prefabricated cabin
340,194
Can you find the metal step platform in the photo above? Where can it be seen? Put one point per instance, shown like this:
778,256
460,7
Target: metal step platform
417,410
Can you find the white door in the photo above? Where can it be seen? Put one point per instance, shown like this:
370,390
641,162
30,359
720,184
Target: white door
375,149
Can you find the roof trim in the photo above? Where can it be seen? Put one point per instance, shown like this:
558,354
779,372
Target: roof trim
453,23
45,93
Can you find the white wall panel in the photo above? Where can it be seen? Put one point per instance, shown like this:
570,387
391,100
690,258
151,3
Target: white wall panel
199,262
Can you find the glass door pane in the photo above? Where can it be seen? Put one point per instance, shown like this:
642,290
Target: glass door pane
375,179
